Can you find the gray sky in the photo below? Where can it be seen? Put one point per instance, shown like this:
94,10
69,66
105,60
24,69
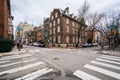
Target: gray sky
35,10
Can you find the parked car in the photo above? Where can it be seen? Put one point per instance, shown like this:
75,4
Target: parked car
85,45
41,45
36,44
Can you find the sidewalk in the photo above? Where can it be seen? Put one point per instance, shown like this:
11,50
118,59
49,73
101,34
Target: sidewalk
107,51
13,52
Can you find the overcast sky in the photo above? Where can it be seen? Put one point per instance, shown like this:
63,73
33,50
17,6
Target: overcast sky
35,10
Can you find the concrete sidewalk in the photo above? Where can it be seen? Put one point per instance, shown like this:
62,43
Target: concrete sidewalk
107,51
13,52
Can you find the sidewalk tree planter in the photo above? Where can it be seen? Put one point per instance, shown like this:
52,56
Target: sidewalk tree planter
6,45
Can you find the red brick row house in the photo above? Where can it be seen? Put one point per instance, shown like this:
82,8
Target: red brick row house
63,29
6,27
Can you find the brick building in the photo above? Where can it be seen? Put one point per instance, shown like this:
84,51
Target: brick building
63,28
39,33
46,31
6,27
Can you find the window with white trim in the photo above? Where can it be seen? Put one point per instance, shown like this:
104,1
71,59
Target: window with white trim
76,25
58,28
73,23
67,29
50,24
52,17
58,21
56,15
53,30
50,31
67,39
67,20
73,30
73,39
54,23
59,39
54,39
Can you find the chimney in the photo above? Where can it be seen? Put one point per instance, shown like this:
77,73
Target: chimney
67,10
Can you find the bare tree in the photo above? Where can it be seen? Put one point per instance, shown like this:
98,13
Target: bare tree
82,12
93,20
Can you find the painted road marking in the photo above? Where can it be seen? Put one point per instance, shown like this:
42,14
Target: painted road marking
105,57
15,57
103,71
111,56
85,76
36,74
106,65
6,65
21,68
107,61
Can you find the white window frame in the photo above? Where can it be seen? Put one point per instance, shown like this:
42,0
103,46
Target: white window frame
73,23
67,20
67,29
50,31
58,21
67,39
59,39
54,30
50,25
54,23
73,39
56,15
73,30
58,28
52,17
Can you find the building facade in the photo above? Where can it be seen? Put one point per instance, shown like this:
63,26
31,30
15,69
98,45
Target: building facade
46,31
6,28
26,33
39,33
63,29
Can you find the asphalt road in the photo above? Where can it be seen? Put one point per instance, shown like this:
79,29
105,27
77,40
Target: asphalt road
69,64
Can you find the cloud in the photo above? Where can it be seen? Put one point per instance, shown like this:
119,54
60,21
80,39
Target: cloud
35,10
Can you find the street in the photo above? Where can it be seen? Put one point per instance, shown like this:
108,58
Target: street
35,63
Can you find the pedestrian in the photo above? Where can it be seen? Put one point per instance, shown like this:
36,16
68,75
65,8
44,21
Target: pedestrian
18,44
102,45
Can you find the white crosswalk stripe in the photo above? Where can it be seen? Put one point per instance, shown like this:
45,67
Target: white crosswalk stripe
100,65
85,76
35,74
8,66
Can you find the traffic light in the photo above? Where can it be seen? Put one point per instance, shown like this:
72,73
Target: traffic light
112,32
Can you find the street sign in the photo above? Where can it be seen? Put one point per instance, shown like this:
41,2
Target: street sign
112,27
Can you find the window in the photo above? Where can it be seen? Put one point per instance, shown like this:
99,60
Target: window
76,25
50,24
54,23
53,30
58,21
73,30
59,39
58,28
54,39
73,23
50,31
73,39
67,39
51,17
76,39
67,29
56,15
67,21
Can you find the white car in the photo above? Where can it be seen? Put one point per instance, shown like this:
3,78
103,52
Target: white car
36,44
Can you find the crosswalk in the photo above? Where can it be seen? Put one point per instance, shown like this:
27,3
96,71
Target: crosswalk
22,67
104,67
